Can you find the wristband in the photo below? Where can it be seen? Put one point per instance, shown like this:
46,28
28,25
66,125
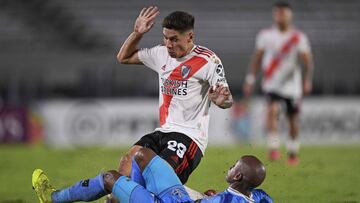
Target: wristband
250,79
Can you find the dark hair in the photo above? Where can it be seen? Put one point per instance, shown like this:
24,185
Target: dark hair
179,20
282,4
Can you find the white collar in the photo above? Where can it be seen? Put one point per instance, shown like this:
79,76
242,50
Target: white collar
237,193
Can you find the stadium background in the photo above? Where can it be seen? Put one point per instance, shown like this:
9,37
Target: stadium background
64,95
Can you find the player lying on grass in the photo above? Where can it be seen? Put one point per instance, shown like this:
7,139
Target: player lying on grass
156,181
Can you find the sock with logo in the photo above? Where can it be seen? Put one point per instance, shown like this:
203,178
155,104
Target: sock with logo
85,190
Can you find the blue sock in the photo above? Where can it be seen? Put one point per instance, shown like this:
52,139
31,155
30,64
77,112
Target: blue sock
136,174
85,190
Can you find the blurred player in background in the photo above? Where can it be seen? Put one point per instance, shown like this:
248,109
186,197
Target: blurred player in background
190,77
161,184
278,50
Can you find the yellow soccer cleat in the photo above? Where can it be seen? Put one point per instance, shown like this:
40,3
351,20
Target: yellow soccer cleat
42,187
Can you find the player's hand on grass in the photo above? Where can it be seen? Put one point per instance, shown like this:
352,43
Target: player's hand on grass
219,94
146,19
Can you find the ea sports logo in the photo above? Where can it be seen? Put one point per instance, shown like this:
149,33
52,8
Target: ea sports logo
85,123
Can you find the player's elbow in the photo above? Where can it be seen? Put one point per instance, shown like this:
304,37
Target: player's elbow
122,59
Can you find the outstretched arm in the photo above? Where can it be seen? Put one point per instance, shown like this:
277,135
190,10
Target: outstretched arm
144,22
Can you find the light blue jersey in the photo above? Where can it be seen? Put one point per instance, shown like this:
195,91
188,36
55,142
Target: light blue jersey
232,196
163,186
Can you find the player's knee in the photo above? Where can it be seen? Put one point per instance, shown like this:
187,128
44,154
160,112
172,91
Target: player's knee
125,161
143,157
134,149
273,108
110,177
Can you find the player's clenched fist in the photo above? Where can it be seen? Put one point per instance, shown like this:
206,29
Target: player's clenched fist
146,19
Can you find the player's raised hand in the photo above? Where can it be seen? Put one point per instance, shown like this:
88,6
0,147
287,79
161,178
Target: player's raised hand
146,19
219,94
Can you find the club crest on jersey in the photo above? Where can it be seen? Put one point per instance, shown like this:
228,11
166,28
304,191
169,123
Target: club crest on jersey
185,71
177,192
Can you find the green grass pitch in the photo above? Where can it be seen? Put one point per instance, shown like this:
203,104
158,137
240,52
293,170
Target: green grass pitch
325,173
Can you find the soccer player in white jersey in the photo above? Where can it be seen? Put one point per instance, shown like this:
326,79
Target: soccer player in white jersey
278,51
190,77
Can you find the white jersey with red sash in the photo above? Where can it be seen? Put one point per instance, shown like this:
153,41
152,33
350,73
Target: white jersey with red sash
281,68
183,85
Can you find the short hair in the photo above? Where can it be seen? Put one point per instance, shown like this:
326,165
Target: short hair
179,20
282,4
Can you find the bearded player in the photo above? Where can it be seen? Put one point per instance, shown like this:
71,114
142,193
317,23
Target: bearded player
278,51
160,184
190,77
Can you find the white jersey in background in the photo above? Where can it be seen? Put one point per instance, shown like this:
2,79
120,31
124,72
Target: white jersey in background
183,85
280,64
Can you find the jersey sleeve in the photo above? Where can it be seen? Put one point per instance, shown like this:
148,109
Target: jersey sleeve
260,41
152,57
216,73
261,196
304,44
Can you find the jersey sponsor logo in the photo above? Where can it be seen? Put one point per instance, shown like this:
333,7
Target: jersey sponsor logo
196,63
221,80
174,87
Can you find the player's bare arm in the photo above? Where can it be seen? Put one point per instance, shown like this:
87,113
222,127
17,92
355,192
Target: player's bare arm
251,76
144,22
221,96
307,60
253,69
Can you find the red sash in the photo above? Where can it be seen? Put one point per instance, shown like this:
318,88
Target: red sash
274,64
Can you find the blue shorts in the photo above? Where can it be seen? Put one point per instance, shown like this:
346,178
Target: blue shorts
162,185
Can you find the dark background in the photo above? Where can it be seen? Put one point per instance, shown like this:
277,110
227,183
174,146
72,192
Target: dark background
67,48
